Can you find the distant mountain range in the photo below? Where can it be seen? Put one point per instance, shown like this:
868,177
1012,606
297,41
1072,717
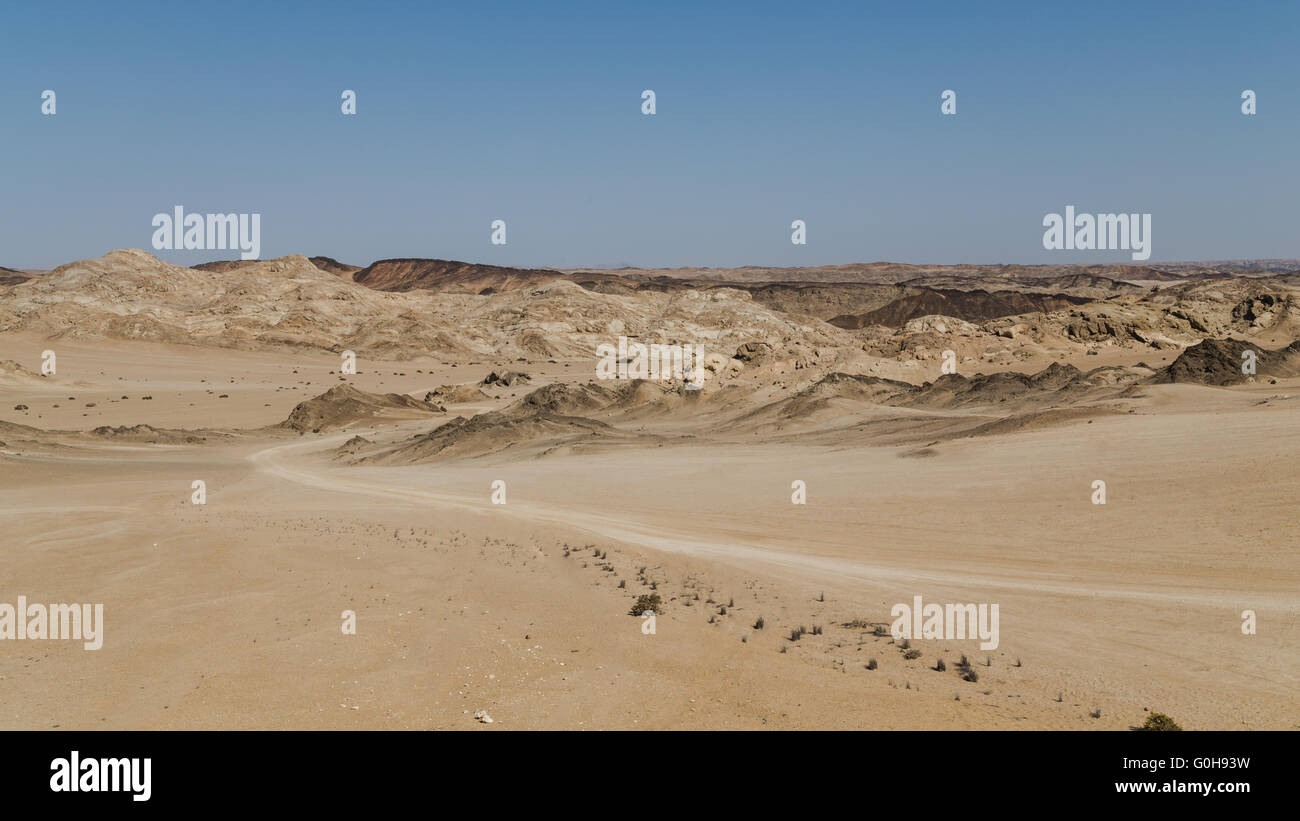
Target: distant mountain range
940,282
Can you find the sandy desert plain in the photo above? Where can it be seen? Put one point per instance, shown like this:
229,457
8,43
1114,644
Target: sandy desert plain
372,492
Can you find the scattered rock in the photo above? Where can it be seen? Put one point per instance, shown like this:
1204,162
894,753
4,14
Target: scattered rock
509,378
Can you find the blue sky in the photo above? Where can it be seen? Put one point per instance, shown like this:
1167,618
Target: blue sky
766,113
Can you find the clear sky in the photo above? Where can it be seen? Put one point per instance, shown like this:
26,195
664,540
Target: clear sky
766,113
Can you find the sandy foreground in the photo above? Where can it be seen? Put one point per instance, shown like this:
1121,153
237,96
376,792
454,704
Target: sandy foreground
227,615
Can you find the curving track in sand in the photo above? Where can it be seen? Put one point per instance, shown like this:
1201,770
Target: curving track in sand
279,461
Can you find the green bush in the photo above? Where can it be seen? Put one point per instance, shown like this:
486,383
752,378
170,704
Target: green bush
646,602
1160,721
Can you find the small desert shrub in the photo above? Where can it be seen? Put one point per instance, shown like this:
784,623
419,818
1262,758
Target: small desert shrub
912,654
871,665
622,584
817,630
798,633
1160,722
758,625
940,666
969,674
1096,713
644,602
